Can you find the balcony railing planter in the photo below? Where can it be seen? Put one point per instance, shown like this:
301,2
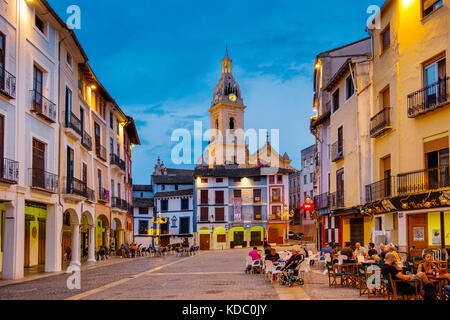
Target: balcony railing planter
74,186
380,190
86,141
322,201
103,195
337,200
428,98
100,151
72,122
380,123
337,151
7,84
115,160
423,180
43,107
9,171
43,180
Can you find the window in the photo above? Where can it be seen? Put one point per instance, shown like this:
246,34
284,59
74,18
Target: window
204,180
311,160
385,39
69,60
429,6
164,205
184,204
163,187
111,120
37,85
385,98
39,24
237,179
350,89
271,179
231,123
280,179
276,195
219,197
311,177
204,214
237,193
276,212
257,195
184,225
142,194
220,214
305,179
176,187
335,101
204,196
219,180
68,105
257,179
143,227
257,213
435,81
340,140
340,184
378,224
143,210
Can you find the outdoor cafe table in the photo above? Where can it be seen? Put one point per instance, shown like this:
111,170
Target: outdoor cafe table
442,279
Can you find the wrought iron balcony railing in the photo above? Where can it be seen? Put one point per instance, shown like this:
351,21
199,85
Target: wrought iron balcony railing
74,123
116,202
380,190
103,194
380,123
42,106
337,151
428,98
337,200
423,180
100,151
115,160
90,195
9,171
7,83
43,180
75,186
322,201
86,141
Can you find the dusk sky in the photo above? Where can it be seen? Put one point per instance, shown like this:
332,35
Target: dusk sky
160,60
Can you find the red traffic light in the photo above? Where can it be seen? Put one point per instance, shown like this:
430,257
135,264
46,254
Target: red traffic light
308,206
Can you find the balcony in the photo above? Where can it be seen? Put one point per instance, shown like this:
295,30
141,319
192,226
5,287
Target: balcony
86,141
380,190
116,161
380,123
100,151
103,195
9,171
423,180
117,203
42,180
337,151
428,98
90,195
73,126
322,201
74,189
337,200
43,107
7,84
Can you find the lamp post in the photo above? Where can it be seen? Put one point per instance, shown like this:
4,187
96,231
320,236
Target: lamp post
159,222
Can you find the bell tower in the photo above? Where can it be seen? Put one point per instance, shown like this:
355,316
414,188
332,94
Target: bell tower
227,144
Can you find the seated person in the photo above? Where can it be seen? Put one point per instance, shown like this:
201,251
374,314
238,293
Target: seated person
336,249
255,254
348,251
405,286
328,248
360,251
428,266
383,251
273,256
372,251
391,249
295,256
267,249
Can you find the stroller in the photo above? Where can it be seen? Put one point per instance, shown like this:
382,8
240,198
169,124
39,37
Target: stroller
291,274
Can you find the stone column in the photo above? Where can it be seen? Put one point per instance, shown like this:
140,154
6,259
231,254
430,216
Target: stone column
91,248
13,253
248,237
75,245
53,246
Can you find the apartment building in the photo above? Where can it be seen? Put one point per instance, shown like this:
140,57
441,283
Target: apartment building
50,105
409,126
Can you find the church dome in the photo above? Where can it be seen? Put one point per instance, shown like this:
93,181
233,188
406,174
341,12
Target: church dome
227,90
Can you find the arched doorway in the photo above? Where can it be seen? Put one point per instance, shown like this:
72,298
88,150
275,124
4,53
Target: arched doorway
117,234
275,234
220,238
256,236
87,229
205,238
237,237
101,232
69,251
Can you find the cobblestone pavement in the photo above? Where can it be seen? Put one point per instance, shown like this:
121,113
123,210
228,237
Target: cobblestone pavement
214,275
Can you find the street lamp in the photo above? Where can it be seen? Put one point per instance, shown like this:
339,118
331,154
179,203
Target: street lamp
159,222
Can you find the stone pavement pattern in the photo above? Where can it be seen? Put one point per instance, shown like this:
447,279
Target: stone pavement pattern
214,275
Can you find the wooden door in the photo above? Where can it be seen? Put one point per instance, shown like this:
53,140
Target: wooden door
204,242
38,163
66,243
357,231
239,238
26,261
255,237
273,235
418,233
41,242
38,88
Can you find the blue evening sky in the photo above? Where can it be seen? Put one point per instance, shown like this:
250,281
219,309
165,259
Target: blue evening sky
160,60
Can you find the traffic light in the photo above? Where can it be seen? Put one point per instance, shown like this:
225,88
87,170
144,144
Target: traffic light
308,205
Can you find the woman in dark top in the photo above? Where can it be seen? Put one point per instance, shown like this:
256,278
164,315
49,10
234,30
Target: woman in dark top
273,256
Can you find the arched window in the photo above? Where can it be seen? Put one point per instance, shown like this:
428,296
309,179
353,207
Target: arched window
231,123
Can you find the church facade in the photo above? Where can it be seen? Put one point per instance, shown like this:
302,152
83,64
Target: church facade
241,199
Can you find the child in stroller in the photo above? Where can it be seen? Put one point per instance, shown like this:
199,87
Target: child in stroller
290,272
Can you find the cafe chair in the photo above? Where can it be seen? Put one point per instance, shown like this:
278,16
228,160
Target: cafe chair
334,275
394,292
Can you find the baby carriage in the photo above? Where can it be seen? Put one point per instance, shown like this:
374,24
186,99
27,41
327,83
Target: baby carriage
291,272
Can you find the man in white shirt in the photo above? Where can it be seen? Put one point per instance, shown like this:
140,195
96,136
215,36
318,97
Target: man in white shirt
360,251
